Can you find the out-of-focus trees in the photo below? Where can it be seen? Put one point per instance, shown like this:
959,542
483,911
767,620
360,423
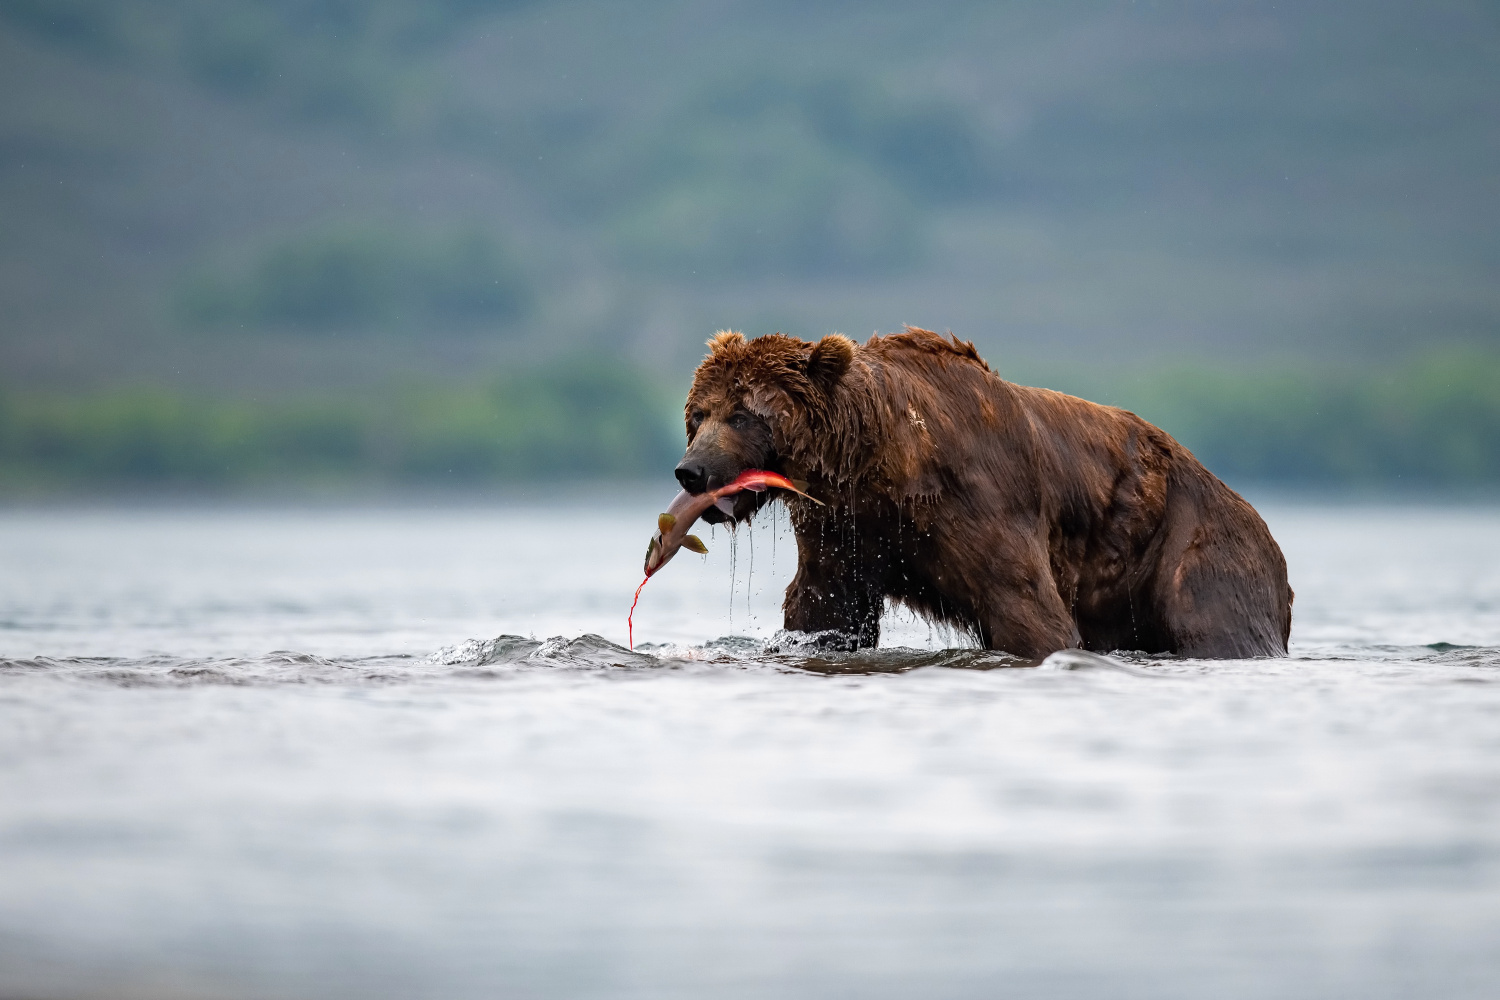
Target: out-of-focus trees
1433,423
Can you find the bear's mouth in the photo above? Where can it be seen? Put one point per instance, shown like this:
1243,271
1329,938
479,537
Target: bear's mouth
740,507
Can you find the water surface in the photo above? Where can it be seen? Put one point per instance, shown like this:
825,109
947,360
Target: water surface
404,753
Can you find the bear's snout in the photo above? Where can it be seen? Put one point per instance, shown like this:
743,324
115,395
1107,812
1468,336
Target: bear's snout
693,476
714,458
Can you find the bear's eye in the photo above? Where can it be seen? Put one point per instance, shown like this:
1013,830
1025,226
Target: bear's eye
695,418
739,420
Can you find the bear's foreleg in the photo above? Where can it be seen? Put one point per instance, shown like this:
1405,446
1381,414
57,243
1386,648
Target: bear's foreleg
840,580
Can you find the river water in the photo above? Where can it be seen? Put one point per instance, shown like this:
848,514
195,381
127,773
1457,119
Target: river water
263,752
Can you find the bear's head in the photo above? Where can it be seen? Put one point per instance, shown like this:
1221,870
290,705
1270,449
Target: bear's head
755,404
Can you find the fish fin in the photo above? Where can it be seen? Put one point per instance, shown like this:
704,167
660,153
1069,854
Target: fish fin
664,522
726,504
695,544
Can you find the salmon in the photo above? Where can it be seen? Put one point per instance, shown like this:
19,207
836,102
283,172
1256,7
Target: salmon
682,513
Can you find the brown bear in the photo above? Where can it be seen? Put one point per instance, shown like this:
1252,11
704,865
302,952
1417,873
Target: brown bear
1032,520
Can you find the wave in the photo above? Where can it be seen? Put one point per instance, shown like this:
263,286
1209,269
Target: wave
784,652
805,652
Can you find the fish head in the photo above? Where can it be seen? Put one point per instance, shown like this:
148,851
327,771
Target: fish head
656,554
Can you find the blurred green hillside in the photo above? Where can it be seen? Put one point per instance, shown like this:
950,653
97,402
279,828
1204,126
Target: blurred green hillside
1434,424
274,212
582,420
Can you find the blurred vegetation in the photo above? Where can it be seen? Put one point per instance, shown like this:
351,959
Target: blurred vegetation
1435,423
365,278
585,419
319,60
1190,174
236,197
766,176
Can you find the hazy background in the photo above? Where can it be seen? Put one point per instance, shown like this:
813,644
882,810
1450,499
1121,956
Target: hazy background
265,244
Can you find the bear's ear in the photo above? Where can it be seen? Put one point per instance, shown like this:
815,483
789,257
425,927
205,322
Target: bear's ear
725,340
829,359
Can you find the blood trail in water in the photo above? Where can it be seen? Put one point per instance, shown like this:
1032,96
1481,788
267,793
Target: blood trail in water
630,618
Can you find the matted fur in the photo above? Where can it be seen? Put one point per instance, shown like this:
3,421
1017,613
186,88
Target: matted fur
1032,519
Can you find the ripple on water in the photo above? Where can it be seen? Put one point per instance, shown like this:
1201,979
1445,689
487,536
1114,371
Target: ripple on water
783,653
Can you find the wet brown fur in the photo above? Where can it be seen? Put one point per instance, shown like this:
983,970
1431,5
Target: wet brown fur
1031,519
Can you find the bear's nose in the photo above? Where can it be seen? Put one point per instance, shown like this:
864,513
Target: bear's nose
693,477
